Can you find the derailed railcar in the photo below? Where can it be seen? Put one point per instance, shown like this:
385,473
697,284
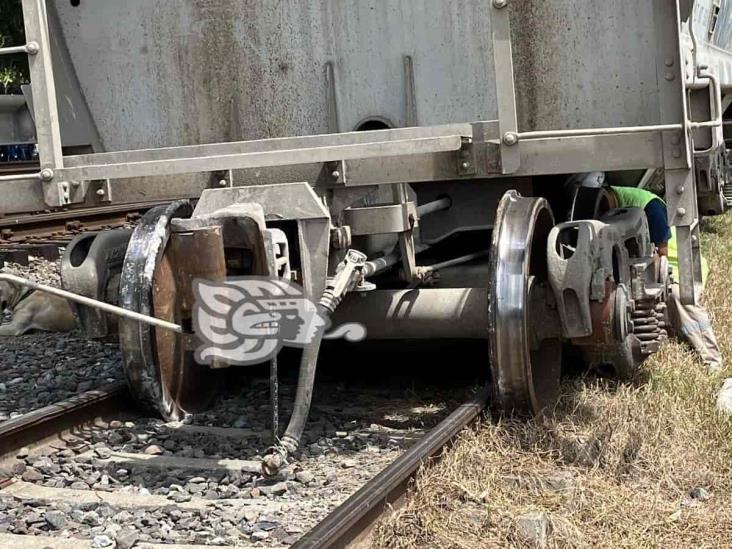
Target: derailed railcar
359,148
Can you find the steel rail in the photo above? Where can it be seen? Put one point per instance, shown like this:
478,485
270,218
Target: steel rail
80,213
350,521
64,225
36,426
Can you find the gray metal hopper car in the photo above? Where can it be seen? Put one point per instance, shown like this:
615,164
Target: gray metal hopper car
405,162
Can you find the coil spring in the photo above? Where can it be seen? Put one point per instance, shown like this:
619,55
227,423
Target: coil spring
649,324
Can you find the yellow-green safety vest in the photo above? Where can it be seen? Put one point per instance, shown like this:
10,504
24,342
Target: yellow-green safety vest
633,197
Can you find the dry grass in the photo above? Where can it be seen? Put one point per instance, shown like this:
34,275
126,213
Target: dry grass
612,468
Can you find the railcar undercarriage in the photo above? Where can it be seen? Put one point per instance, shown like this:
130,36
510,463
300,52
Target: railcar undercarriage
413,227
536,289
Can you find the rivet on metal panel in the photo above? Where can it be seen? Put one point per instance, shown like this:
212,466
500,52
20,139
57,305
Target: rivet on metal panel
675,139
63,193
669,62
100,192
676,153
337,172
510,138
223,183
680,189
681,211
32,48
669,76
500,4
47,174
466,158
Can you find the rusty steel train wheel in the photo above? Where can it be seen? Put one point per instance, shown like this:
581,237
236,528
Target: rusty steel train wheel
525,365
160,370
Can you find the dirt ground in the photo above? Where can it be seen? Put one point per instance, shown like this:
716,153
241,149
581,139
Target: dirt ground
641,464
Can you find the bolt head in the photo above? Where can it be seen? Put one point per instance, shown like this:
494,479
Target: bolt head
510,138
500,3
669,76
669,62
465,165
681,211
336,174
680,189
32,48
222,183
47,174
100,192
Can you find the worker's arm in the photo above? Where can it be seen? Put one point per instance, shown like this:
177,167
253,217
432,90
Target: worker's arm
658,227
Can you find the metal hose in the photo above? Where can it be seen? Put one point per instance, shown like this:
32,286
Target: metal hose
276,456
348,274
303,396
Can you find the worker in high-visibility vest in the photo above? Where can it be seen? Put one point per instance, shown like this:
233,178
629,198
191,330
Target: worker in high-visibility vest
691,321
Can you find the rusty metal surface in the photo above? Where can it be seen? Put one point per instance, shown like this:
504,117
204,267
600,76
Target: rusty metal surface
602,314
137,341
35,426
198,254
156,279
62,226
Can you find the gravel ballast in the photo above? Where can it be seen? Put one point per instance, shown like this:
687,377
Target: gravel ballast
41,368
345,445
356,427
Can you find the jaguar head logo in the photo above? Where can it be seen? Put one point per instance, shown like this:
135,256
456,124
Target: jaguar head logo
248,320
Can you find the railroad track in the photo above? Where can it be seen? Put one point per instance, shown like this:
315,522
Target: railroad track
351,523
42,234
35,230
67,436
63,225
